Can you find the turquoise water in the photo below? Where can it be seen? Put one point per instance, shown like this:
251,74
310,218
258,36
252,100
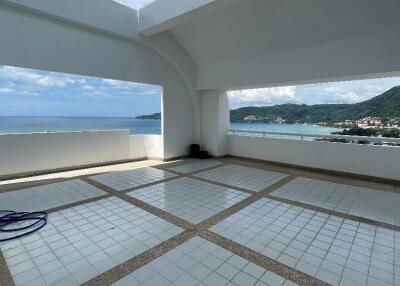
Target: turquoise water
52,124
291,128
135,126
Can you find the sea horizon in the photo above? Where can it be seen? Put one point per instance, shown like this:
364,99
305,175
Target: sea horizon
43,124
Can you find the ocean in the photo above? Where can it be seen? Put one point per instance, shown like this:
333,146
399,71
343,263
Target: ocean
290,128
21,124
54,124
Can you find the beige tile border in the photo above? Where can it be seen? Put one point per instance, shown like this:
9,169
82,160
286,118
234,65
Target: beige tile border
147,207
191,230
113,275
168,168
241,205
128,267
78,203
315,173
28,185
222,185
263,261
66,169
5,275
335,213
177,176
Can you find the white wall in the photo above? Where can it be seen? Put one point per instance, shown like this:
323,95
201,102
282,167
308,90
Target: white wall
214,121
33,40
21,153
377,161
146,146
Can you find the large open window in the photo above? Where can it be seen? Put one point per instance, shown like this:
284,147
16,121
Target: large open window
369,107
40,101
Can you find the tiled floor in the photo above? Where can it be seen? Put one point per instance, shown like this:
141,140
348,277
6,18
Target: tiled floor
335,250
86,241
367,203
81,242
48,196
200,262
189,199
132,178
195,166
243,177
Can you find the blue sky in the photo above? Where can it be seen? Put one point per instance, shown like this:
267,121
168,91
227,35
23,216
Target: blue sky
26,92
38,93
333,92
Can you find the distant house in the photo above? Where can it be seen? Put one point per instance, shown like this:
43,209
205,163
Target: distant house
280,120
250,118
369,122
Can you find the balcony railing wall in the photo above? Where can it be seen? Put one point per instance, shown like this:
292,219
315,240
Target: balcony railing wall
37,152
368,160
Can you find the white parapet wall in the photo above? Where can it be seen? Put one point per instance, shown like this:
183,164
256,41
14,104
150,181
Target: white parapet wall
368,160
22,153
146,146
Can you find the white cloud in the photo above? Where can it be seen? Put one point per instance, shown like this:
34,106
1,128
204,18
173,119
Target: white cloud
32,77
324,93
97,93
88,87
122,84
5,90
263,96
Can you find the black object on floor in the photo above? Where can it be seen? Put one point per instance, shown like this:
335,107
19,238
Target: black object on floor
25,223
203,155
195,152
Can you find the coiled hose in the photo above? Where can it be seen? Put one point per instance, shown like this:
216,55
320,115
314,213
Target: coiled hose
18,224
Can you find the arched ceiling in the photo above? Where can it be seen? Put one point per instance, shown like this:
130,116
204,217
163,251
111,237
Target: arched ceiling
249,29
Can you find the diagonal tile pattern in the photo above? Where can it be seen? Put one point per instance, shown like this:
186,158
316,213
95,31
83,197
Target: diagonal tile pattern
200,262
332,249
132,178
362,202
195,166
189,199
98,240
48,196
242,177
81,242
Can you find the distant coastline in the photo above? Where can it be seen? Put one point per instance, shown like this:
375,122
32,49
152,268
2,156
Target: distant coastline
382,111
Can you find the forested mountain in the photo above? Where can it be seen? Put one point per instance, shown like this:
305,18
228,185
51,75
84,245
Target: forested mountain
386,105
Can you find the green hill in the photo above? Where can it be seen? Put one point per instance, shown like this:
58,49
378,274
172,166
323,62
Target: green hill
386,105
154,116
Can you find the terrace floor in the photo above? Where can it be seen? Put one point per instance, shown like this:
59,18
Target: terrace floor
212,222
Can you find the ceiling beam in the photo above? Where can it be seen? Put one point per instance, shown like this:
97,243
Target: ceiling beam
162,15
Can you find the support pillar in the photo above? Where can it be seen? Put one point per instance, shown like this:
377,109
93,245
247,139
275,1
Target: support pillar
214,121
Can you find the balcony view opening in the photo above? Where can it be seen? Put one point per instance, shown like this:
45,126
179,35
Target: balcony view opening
369,107
199,142
35,101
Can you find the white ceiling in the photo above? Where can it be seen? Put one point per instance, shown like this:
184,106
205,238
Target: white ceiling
269,26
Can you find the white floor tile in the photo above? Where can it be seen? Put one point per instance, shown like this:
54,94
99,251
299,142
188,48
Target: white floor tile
244,177
169,269
189,199
323,246
48,196
363,202
132,178
196,166
72,245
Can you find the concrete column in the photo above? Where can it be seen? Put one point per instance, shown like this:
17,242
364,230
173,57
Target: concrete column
214,121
